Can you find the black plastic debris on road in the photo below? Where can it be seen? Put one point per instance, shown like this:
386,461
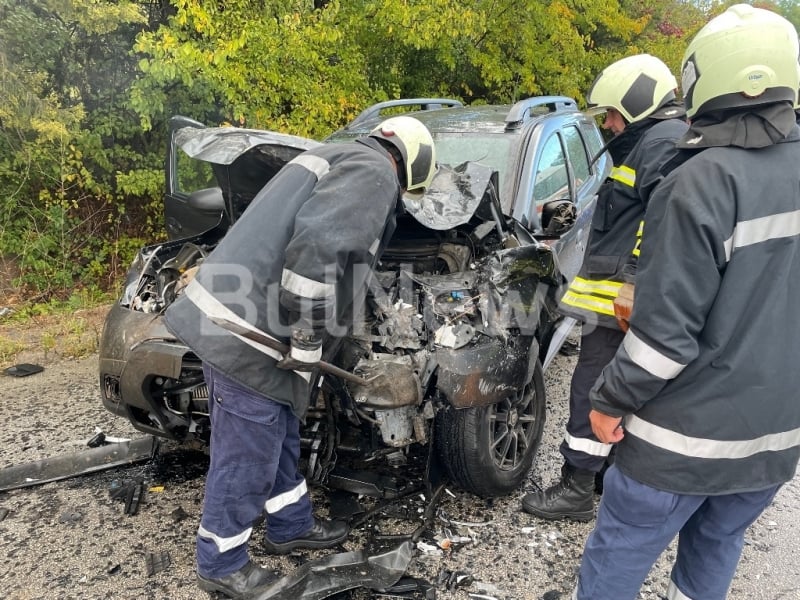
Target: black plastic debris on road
411,588
23,370
97,440
179,514
130,492
77,463
452,580
155,562
341,572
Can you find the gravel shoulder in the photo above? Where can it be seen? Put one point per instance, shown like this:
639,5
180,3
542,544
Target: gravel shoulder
71,540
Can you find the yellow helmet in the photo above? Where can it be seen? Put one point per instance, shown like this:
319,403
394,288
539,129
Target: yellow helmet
744,57
415,144
636,86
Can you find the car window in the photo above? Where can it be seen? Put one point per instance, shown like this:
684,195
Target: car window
192,174
594,139
550,179
577,154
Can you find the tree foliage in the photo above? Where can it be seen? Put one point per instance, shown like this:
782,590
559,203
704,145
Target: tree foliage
295,67
86,88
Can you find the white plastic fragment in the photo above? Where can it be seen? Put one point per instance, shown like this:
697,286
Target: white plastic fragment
429,549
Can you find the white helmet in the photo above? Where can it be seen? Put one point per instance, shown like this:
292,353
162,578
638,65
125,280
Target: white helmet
415,144
744,57
636,86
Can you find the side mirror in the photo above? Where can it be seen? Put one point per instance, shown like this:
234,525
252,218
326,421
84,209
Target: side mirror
558,217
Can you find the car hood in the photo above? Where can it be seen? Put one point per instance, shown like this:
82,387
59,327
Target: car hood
455,194
243,160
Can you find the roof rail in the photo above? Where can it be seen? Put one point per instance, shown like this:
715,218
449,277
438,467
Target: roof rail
523,109
424,103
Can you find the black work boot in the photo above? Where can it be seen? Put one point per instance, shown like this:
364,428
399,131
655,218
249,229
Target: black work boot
239,583
572,497
323,534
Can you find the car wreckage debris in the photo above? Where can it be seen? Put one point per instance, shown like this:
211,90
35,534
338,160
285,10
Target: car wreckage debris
155,562
130,492
77,463
341,572
23,370
410,588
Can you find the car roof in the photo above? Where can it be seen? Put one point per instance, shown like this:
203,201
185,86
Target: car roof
450,116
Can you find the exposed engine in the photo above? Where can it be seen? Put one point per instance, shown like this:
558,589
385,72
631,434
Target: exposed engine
440,327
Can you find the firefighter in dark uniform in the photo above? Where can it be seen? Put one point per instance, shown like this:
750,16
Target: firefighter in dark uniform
637,95
294,267
702,395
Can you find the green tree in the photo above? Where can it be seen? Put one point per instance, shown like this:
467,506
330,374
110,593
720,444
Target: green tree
308,67
64,70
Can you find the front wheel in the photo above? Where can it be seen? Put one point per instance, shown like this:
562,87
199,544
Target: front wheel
488,451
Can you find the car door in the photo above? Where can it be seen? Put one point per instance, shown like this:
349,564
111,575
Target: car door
553,179
193,201
584,194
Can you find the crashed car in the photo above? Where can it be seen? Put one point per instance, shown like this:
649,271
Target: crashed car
448,354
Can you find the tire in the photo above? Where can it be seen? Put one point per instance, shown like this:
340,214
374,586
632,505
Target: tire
481,453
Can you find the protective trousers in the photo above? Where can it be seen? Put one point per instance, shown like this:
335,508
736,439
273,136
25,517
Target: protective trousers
255,447
636,523
580,447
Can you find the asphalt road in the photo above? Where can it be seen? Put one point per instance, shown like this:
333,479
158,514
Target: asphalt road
71,540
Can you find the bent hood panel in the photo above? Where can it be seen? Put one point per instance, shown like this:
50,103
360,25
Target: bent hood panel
244,160
455,194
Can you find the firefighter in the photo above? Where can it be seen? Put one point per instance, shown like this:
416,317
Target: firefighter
637,95
701,397
294,267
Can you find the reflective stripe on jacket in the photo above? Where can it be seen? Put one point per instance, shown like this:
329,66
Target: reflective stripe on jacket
621,205
706,374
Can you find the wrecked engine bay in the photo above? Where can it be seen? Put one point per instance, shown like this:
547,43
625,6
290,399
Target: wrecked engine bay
460,307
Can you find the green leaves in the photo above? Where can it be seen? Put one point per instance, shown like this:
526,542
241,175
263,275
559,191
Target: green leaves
86,87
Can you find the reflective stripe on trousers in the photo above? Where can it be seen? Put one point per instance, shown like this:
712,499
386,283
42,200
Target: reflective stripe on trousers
255,447
636,523
580,447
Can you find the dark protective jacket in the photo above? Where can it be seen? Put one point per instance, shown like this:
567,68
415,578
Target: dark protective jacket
300,256
638,153
707,375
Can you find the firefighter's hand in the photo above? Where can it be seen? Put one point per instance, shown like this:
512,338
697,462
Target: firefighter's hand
607,429
305,353
623,305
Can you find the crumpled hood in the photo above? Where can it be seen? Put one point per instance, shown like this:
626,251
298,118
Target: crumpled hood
244,160
455,194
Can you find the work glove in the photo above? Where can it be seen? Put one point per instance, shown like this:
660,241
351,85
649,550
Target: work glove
305,352
623,305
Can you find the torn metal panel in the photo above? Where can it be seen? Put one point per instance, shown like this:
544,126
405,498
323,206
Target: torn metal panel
243,160
452,198
340,572
484,372
513,286
223,145
77,463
